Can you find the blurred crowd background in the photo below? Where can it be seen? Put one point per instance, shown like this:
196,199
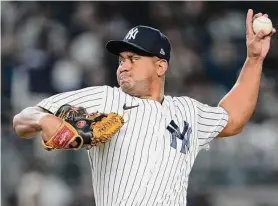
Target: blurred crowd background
52,47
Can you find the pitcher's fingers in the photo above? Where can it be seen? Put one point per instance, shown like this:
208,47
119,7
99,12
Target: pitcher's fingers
249,25
265,15
272,32
260,35
256,16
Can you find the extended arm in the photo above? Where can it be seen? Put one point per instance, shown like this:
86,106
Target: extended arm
240,102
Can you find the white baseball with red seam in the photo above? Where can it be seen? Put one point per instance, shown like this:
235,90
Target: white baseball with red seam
262,23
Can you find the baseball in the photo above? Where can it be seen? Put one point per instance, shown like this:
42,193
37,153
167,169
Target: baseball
262,23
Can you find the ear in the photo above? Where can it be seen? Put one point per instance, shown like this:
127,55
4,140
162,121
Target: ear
162,66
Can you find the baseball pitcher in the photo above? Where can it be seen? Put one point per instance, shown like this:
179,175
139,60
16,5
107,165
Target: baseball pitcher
141,143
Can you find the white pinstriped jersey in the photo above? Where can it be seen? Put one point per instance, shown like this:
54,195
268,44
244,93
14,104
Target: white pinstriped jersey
149,160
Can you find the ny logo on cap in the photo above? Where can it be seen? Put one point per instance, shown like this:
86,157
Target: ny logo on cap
162,51
132,33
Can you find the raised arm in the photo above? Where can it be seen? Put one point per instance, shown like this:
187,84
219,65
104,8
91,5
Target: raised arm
240,102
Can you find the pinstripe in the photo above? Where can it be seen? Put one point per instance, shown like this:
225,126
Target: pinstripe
127,155
44,103
207,118
147,160
48,106
208,132
58,95
177,151
70,94
91,160
143,172
201,145
192,123
195,131
163,172
184,194
112,164
48,101
174,183
156,175
99,151
209,112
120,155
210,125
135,151
194,146
94,173
181,155
89,100
208,129
95,105
160,163
190,164
109,145
185,167
79,98
106,150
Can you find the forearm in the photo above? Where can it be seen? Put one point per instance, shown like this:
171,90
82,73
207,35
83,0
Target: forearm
241,101
33,120
26,123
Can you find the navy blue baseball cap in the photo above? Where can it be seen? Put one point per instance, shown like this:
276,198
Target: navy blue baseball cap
143,40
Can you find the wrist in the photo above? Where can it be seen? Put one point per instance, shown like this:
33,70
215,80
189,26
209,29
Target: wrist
255,60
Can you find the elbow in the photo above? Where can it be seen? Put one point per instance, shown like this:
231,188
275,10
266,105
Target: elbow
21,126
237,130
230,131
236,127
232,128
239,122
23,131
26,123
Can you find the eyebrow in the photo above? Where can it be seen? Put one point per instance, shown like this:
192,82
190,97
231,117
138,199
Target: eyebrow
129,55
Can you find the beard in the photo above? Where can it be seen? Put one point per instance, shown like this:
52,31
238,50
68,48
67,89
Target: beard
135,88
127,87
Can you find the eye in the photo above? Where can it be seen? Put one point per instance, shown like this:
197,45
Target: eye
134,58
120,60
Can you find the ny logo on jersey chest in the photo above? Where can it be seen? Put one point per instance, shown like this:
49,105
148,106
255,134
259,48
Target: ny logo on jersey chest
185,135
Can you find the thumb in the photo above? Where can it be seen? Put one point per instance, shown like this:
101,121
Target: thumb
260,35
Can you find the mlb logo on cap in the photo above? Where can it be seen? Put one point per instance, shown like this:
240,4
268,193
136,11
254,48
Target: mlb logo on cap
143,40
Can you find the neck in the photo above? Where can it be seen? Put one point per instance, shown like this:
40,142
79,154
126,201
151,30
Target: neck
156,92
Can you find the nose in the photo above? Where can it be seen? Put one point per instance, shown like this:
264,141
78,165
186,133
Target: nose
124,66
